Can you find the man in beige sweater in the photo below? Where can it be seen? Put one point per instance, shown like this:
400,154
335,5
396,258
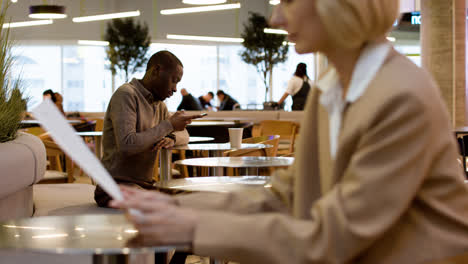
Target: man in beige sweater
376,177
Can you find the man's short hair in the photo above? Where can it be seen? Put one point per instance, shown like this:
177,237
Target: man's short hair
219,92
211,93
165,59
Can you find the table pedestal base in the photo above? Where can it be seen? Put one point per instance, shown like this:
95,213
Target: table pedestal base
110,259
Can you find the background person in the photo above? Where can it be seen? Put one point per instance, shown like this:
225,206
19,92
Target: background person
375,179
205,100
298,87
227,103
188,102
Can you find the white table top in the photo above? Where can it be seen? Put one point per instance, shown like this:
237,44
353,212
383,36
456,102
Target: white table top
77,234
215,184
220,146
200,139
238,162
90,133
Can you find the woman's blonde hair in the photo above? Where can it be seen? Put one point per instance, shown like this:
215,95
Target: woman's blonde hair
351,23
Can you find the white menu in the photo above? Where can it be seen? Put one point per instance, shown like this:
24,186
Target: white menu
73,145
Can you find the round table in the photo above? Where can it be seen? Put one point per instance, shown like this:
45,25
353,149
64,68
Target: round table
200,139
97,140
211,123
215,184
250,165
35,123
214,150
109,238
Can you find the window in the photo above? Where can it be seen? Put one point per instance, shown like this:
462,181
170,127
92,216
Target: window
39,68
81,74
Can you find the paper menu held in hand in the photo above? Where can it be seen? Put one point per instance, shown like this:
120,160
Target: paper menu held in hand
72,144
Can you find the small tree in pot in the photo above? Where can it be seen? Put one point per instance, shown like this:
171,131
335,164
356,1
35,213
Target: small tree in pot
263,50
128,45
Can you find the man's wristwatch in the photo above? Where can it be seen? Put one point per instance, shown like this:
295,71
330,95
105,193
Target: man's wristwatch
172,136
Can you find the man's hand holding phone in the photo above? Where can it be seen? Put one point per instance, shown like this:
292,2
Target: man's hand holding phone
180,120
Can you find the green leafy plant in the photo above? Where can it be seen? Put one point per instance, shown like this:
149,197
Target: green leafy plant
262,50
12,103
128,45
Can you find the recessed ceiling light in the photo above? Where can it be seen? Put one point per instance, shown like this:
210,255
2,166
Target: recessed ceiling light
275,31
200,9
93,42
28,23
106,16
203,2
47,12
205,38
274,2
14,1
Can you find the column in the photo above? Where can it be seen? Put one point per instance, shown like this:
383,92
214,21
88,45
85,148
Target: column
443,40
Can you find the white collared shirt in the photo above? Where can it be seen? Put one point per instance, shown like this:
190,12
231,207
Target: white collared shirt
367,66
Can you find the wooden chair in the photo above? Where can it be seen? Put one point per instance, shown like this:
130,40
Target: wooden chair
287,131
459,259
267,152
54,172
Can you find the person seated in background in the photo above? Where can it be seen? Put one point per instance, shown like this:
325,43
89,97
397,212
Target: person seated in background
137,124
59,102
375,178
56,98
227,103
205,101
298,87
49,94
188,102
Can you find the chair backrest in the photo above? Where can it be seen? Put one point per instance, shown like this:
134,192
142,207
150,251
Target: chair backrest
459,259
99,124
287,130
268,152
53,153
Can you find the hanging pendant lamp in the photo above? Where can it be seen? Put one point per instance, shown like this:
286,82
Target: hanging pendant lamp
47,12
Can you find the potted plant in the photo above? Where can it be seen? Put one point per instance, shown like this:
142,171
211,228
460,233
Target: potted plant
263,50
129,43
22,156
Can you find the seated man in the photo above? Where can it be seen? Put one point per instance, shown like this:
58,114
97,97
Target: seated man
205,100
188,102
227,103
137,123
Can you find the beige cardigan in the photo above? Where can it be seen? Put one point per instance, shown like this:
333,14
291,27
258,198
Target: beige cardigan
394,194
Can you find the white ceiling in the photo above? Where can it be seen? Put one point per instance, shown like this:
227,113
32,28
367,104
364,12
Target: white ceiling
226,23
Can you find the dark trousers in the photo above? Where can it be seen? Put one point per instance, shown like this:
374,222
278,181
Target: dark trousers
178,258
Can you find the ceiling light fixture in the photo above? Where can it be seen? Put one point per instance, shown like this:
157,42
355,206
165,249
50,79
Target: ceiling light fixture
274,2
14,1
200,9
106,16
93,43
275,31
47,12
205,38
203,2
28,23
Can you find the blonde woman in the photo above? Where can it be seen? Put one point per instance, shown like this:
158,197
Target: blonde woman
376,178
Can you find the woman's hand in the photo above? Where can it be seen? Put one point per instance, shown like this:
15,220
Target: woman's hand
161,220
